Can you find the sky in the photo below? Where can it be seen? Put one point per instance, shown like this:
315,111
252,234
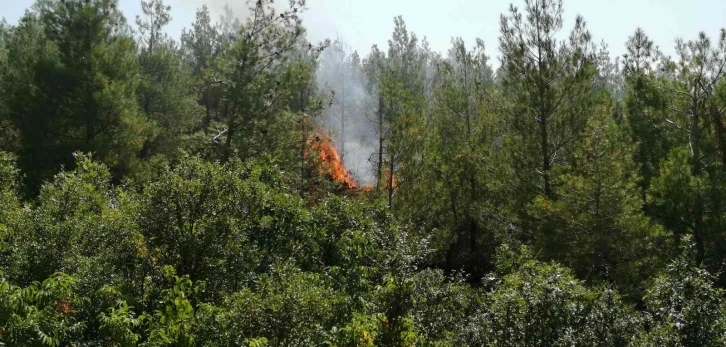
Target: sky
362,23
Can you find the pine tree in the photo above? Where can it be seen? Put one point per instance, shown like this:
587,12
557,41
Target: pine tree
403,97
645,108
454,176
201,45
155,17
165,94
600,230
256,81
78,75
689,85
544,86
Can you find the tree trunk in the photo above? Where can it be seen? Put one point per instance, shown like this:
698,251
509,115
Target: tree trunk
151,39
390,181
303,145
228,142
697,171
391,165
380,141
454,211
90,125
543,110
544,143
720,132
342,125
473,230
89,101
208,115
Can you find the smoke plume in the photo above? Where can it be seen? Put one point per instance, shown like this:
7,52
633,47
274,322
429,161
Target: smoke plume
340,76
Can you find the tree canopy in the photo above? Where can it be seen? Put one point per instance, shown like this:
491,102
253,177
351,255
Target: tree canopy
245,186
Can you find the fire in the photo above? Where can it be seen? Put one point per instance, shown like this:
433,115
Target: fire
329,160
387,180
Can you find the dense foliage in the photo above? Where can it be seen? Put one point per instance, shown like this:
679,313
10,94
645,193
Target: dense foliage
164,193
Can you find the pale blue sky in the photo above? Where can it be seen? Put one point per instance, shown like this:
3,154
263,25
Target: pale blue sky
362,23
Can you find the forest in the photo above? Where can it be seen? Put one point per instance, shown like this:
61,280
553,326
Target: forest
245,186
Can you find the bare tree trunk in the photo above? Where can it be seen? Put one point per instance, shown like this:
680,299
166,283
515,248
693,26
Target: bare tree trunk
342,125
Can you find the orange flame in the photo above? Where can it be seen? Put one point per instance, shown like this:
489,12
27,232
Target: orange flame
329,160
387,180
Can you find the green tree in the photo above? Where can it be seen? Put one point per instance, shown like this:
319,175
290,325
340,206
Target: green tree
156,16
41,314
165,93
536,303
453,191
645,108
402,88
8,133
256,80
689,85
544,87
12,214
286,307
80,227
80,88
200,46
686,308
598,226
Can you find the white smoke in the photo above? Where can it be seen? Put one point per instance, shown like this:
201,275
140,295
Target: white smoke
340,80
340,76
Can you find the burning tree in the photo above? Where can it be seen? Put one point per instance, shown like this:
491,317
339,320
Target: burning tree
328,161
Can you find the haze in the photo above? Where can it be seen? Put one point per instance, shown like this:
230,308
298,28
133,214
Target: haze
364,23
